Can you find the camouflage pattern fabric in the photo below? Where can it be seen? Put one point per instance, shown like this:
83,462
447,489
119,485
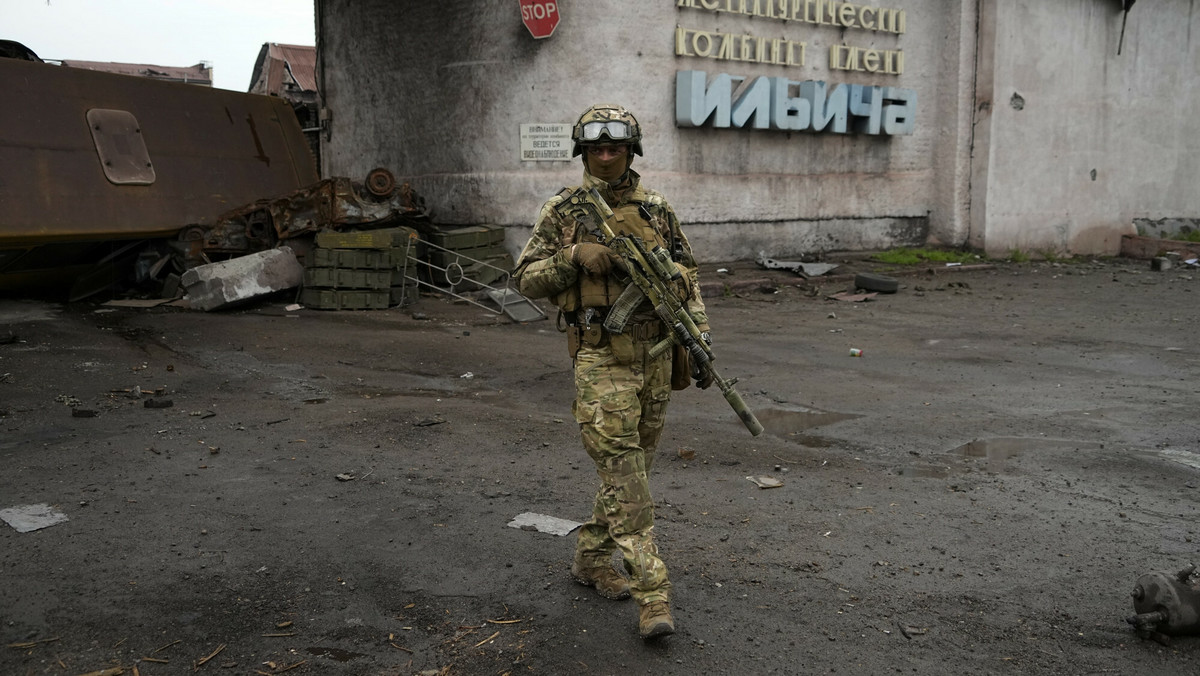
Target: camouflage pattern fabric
621,395
620,409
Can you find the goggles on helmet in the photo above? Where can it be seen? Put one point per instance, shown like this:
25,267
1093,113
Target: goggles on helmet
614,129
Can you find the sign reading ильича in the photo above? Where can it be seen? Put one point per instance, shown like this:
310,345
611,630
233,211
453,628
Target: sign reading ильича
545,141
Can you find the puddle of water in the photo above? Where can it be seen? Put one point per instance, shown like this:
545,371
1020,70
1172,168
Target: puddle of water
791,423
333,653
926,471
1182,457
993,454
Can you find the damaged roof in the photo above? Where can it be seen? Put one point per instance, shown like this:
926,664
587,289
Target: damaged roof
282,69
200,74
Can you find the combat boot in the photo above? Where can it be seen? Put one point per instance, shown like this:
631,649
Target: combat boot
608,582
654,619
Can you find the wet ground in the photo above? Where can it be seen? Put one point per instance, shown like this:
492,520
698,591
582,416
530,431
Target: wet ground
330,492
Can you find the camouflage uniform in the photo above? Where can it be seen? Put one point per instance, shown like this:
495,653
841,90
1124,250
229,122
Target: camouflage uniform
621,393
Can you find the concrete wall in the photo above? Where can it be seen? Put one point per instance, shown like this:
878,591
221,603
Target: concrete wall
1074,142
436,92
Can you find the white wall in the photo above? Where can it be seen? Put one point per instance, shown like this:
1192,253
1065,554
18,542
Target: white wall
1129,118
436,92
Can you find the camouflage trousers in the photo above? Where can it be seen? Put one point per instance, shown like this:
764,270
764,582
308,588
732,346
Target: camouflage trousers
620,404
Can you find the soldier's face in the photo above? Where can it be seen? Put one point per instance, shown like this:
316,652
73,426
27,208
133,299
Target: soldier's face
607,162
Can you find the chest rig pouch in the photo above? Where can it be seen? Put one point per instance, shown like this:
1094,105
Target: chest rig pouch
632,219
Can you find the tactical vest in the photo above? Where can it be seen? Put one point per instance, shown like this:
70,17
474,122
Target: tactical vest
636,218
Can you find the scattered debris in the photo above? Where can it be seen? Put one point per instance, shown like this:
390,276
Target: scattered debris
855,352
27,518
517,307
218,285
1166,605
687,454
211,655
765,481
544,524
803,269
852,297
910,631
428,422
345,477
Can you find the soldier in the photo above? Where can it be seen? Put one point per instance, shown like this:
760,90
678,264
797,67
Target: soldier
621,392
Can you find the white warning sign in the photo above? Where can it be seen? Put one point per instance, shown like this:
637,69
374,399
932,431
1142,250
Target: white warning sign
542,141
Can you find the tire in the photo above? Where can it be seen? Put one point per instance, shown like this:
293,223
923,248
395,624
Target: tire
876,282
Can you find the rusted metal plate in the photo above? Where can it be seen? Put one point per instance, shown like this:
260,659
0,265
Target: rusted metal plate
124,158
211,150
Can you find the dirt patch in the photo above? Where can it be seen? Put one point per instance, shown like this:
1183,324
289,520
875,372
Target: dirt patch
329,492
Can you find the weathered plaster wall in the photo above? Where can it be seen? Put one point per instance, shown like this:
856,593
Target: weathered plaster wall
1073,141
437,91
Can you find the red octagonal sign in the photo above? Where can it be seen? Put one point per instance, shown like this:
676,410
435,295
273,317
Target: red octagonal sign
540,17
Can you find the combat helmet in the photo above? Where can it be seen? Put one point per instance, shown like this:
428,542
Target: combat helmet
606,123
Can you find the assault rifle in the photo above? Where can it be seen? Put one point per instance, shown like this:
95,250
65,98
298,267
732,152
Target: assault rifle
651,275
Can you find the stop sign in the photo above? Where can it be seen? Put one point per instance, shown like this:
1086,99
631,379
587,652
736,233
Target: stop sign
540,17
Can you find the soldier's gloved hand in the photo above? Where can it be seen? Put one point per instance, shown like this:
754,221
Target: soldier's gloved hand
595,259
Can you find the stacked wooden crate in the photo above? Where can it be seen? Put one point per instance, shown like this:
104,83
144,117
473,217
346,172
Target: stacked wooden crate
361,270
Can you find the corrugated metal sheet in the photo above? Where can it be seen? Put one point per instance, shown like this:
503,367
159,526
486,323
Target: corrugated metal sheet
279,66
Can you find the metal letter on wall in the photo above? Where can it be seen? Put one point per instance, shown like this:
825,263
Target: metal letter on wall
768,103
696,101
120,146
756,102
899,110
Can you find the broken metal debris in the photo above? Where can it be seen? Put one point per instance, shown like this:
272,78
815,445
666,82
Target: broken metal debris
27,518
1166,605
543,523
803,269
334,203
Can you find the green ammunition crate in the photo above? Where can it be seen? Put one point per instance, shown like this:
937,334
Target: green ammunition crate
341,278
467,237
405,294
365,239
348,299
488,274
465,257
360,259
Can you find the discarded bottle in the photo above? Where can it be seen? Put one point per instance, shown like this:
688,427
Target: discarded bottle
855,352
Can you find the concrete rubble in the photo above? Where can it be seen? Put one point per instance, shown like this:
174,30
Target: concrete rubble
219,285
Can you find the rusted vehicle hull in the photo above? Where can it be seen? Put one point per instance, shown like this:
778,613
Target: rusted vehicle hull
91,160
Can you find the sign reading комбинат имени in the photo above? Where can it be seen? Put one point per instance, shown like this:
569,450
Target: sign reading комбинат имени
781,103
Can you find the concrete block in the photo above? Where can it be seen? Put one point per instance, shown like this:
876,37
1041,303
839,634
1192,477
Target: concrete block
217,285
